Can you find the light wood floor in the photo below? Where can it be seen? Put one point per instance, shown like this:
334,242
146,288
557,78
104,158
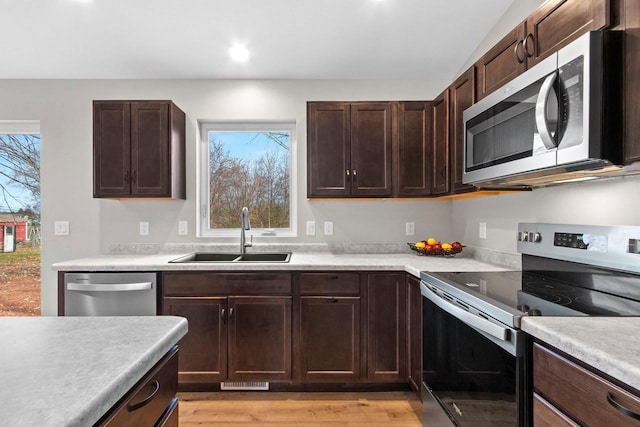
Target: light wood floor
297,409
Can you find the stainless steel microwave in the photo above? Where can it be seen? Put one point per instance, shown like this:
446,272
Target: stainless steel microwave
559,117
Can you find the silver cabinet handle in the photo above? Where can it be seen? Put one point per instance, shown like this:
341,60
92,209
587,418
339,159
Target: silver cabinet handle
541,111
347,172
230,313
519,60
109,287
466,317
354,172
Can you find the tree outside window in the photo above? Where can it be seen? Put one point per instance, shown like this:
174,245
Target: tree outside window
248,165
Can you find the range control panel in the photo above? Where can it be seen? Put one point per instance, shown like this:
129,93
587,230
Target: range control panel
569,240
607,246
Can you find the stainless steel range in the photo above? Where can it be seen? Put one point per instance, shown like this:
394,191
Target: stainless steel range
476,361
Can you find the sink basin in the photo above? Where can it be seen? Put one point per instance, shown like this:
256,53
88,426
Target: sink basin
198,257
266,257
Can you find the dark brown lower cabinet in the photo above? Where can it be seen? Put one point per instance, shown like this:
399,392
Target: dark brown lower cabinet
259,345
203,357
308,327
568,392
330,338
244,338
414,334
387,327
152,401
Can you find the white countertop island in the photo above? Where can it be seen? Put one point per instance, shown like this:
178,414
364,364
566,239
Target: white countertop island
69,371
609,344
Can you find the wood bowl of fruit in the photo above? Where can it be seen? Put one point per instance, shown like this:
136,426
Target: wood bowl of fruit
433,247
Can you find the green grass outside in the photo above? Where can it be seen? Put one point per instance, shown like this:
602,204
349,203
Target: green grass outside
20,255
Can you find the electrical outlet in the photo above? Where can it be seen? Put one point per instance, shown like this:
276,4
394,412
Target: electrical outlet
182,228
144,228
311,228
410,228
482,230
328,228
61,228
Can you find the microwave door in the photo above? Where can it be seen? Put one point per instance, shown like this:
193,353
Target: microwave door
578,77
515,135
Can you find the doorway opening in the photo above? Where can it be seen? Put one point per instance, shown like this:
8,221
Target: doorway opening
20,219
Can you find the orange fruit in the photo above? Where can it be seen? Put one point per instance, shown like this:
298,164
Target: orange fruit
431,241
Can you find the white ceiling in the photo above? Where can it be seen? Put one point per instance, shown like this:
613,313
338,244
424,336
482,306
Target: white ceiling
288,39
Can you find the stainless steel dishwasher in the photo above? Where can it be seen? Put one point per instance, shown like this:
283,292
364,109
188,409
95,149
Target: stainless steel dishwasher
110,294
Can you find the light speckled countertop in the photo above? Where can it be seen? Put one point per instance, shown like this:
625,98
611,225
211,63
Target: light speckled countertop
411,263
610,344
69,371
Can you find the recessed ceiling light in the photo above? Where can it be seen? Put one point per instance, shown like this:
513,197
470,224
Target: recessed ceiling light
239,53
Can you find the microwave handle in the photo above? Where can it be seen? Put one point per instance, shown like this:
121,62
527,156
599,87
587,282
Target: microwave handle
541,111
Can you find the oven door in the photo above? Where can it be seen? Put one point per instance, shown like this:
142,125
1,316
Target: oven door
466,373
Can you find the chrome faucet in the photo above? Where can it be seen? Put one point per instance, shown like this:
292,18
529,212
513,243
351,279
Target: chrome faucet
244,225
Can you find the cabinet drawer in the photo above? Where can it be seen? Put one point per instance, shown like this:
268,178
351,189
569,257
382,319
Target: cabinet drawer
547,415
329,283
203,284
150,398
580,393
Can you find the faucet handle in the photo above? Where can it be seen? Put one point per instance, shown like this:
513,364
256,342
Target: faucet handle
250,243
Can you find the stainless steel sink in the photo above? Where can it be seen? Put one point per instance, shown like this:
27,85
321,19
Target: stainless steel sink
198,257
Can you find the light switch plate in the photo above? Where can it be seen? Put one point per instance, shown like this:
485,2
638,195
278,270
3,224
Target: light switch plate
311,228
61,228
144,228
328,228
183,228
410,228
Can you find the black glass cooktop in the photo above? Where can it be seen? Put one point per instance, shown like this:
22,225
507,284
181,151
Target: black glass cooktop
552,287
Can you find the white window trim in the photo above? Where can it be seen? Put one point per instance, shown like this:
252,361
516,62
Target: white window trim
206,126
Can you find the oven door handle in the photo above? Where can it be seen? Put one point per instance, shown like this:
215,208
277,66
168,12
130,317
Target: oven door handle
472,320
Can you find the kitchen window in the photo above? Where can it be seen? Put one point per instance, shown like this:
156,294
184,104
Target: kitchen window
246,164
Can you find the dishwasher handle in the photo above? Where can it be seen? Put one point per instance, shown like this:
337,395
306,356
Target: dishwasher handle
109,287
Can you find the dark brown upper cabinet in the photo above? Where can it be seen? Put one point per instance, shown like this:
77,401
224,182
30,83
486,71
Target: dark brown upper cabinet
548,28
502,63
461,97
556,23
412,149
349,149
138,150
440,145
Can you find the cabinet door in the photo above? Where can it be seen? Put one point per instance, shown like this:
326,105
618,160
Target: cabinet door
328,149
330,338
414,334
461,97
502,63
203,351
371,149
259,338
386,340
150,149
440,145
413,149
558,22
111,148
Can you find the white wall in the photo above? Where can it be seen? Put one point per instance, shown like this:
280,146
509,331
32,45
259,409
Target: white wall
64,110
610,202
